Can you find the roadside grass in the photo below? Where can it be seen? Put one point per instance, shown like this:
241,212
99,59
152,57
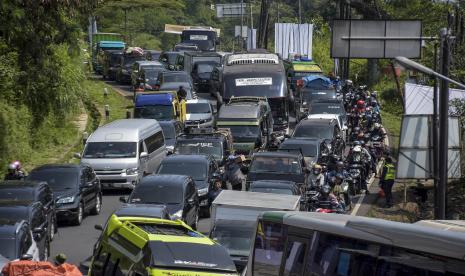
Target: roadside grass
95,102
392,123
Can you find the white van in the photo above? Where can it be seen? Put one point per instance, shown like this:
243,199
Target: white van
123,151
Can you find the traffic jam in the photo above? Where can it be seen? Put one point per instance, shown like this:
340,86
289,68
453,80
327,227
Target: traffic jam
274,153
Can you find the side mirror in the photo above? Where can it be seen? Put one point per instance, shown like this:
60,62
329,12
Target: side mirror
123,199
26,257
144,154
77,155
98,227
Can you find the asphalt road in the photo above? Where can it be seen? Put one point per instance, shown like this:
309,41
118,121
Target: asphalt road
77,242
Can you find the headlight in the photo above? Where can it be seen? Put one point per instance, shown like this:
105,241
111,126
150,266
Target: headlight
177,215
202,191
132,171
66,200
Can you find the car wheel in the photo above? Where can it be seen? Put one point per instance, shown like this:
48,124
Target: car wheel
98,206
79,216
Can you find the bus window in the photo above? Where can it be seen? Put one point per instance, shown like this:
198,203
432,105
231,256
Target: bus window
336,255
269,245
295,256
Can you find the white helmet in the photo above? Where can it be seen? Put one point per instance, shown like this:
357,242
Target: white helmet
357,149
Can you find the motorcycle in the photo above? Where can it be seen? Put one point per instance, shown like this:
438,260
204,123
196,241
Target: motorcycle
356,173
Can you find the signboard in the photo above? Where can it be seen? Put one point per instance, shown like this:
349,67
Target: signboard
415,159
254,81
231,10
290,38
376,38
198,37
419,98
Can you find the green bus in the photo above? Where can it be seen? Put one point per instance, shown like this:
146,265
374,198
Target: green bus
302,243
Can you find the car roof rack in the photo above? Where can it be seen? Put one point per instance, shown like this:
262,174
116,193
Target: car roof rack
243,99
241,59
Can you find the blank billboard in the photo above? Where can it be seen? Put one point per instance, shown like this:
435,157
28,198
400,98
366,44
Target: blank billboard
376,38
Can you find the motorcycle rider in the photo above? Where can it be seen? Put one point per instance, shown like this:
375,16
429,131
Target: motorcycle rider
339,170
378,130
233,173
359,155
317,178
15,172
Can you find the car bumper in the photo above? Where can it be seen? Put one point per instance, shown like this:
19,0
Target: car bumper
202,125
67,212
120,181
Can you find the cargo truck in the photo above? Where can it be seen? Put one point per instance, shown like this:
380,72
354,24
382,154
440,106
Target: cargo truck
102,42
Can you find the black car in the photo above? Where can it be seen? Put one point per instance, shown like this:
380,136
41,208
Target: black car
171,131
172,80
218,144
201,74
308,147
32,191
34,214
329,106
275,187
326,129
16,240
143,210
148,77
277,166
124,68
202,168
152,54
76,188
177,192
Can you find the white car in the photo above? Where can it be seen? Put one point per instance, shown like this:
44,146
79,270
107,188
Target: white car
340,123
199,113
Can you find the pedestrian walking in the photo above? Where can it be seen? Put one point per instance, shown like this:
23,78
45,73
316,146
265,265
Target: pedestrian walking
387,180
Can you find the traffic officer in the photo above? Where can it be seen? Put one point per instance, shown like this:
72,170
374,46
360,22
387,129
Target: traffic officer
387,180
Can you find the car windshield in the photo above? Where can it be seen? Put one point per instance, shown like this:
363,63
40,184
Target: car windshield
194,255
110,150
16,194
286,165
203,39
57,178
8,248
159,112
235,237
151,193
168,131
114,59
313,95
313,131
175,78
321,108
196,170
129,60
203,68
270,190
244,131
305,149
172,58
197,108
196,147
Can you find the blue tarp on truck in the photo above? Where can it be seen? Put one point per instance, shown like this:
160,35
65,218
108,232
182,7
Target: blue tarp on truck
153,99
317,82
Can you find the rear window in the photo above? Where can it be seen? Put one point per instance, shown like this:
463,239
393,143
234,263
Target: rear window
18,194
275,165
313,131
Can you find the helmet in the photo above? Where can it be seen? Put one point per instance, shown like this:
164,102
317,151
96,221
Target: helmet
357,148
360,103
12,167
339,164
356,129
316,169
373,94
377,125
338,136
349,82
18,164
374,102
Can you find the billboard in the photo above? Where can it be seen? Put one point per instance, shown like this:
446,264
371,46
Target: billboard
415,159
231,10
290,38
376,38
419,98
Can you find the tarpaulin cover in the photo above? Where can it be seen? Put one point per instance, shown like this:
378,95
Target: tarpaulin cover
32,268
315,81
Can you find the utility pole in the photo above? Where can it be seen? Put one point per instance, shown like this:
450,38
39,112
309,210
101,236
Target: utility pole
242,25
443,123
435,134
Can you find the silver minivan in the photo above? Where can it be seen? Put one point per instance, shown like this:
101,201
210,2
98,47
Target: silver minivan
123,151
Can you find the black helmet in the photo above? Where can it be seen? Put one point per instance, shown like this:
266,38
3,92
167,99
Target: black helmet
339,164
